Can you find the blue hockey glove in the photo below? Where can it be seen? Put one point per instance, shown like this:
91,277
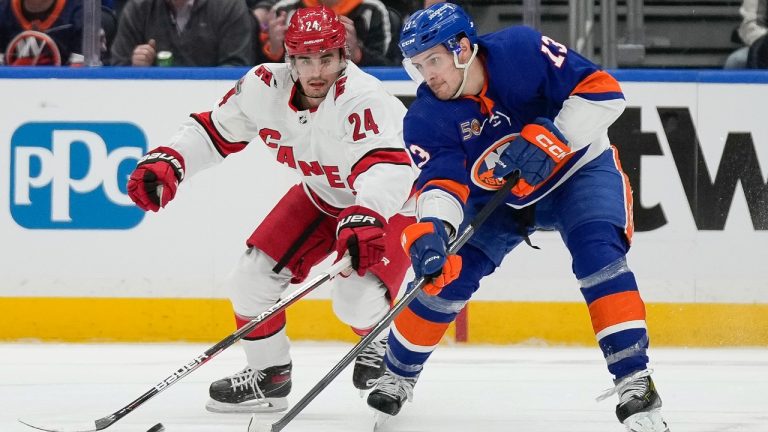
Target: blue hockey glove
426,244
535,152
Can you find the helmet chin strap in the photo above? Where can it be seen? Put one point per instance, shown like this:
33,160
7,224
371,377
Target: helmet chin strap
465,67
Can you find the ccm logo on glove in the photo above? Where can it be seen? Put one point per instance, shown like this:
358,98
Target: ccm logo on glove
547,139
554,150
536,153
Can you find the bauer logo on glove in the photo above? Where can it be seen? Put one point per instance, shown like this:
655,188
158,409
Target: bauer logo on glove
157,176
360,232
155,156
357,220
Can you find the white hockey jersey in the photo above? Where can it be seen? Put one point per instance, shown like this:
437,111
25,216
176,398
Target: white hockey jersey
347,151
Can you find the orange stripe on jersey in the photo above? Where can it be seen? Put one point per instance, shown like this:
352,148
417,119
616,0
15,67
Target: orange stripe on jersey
616,308
486,103
419,331
597,82
629,224
452,186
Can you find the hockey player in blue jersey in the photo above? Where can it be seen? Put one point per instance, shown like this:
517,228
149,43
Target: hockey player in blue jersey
515,100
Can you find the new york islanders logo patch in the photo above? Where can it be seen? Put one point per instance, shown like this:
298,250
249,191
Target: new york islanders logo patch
482,169
32,48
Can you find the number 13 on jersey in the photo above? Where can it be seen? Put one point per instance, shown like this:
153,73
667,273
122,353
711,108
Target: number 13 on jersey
554,50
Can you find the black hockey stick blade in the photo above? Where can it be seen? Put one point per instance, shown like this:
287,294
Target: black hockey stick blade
105,422
496,200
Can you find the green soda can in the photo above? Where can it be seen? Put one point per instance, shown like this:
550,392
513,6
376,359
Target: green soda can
165,58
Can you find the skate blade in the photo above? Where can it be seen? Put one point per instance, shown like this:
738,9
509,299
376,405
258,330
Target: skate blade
363,393
371,383
650,421
379,419
257,426
268,405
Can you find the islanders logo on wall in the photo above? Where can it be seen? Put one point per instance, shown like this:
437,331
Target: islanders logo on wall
482,169
32,48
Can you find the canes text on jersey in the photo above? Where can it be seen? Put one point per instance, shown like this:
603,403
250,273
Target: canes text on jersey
286,156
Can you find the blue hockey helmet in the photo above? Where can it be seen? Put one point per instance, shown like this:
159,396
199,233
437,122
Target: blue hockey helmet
440,23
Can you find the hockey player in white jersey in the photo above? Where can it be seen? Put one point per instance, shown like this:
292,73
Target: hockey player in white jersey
342,132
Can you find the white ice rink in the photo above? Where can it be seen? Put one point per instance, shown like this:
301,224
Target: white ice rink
467,388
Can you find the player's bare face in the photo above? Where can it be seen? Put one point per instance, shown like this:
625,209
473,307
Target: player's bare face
318,71
437,68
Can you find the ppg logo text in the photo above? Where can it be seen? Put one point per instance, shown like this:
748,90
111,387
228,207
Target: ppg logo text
73,175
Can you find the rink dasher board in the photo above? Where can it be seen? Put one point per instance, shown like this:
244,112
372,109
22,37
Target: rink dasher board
73,242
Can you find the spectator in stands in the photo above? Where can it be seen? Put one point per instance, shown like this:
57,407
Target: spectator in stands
118,6
752,32
41,32
404,7
190,32
260,10
372,29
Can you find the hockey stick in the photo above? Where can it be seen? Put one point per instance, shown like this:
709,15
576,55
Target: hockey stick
105,422
499,197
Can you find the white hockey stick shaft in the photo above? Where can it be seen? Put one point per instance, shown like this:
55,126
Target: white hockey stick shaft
104,422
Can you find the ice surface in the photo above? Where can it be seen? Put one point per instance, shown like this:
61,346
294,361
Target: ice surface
463,388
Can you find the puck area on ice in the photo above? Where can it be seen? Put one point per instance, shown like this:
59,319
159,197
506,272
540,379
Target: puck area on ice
157,428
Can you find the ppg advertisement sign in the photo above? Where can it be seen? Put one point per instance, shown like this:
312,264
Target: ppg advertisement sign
73,175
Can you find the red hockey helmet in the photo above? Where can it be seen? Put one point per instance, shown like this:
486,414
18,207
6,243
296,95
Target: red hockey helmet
313,30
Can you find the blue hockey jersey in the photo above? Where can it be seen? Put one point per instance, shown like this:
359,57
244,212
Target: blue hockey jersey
456,143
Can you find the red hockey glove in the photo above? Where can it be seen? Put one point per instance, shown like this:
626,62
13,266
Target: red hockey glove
361,232
154,181
426,244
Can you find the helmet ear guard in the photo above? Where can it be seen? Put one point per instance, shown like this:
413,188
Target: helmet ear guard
453,44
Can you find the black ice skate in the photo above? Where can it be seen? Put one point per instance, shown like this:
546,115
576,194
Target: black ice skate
389,395
369,365
639,407
251,391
